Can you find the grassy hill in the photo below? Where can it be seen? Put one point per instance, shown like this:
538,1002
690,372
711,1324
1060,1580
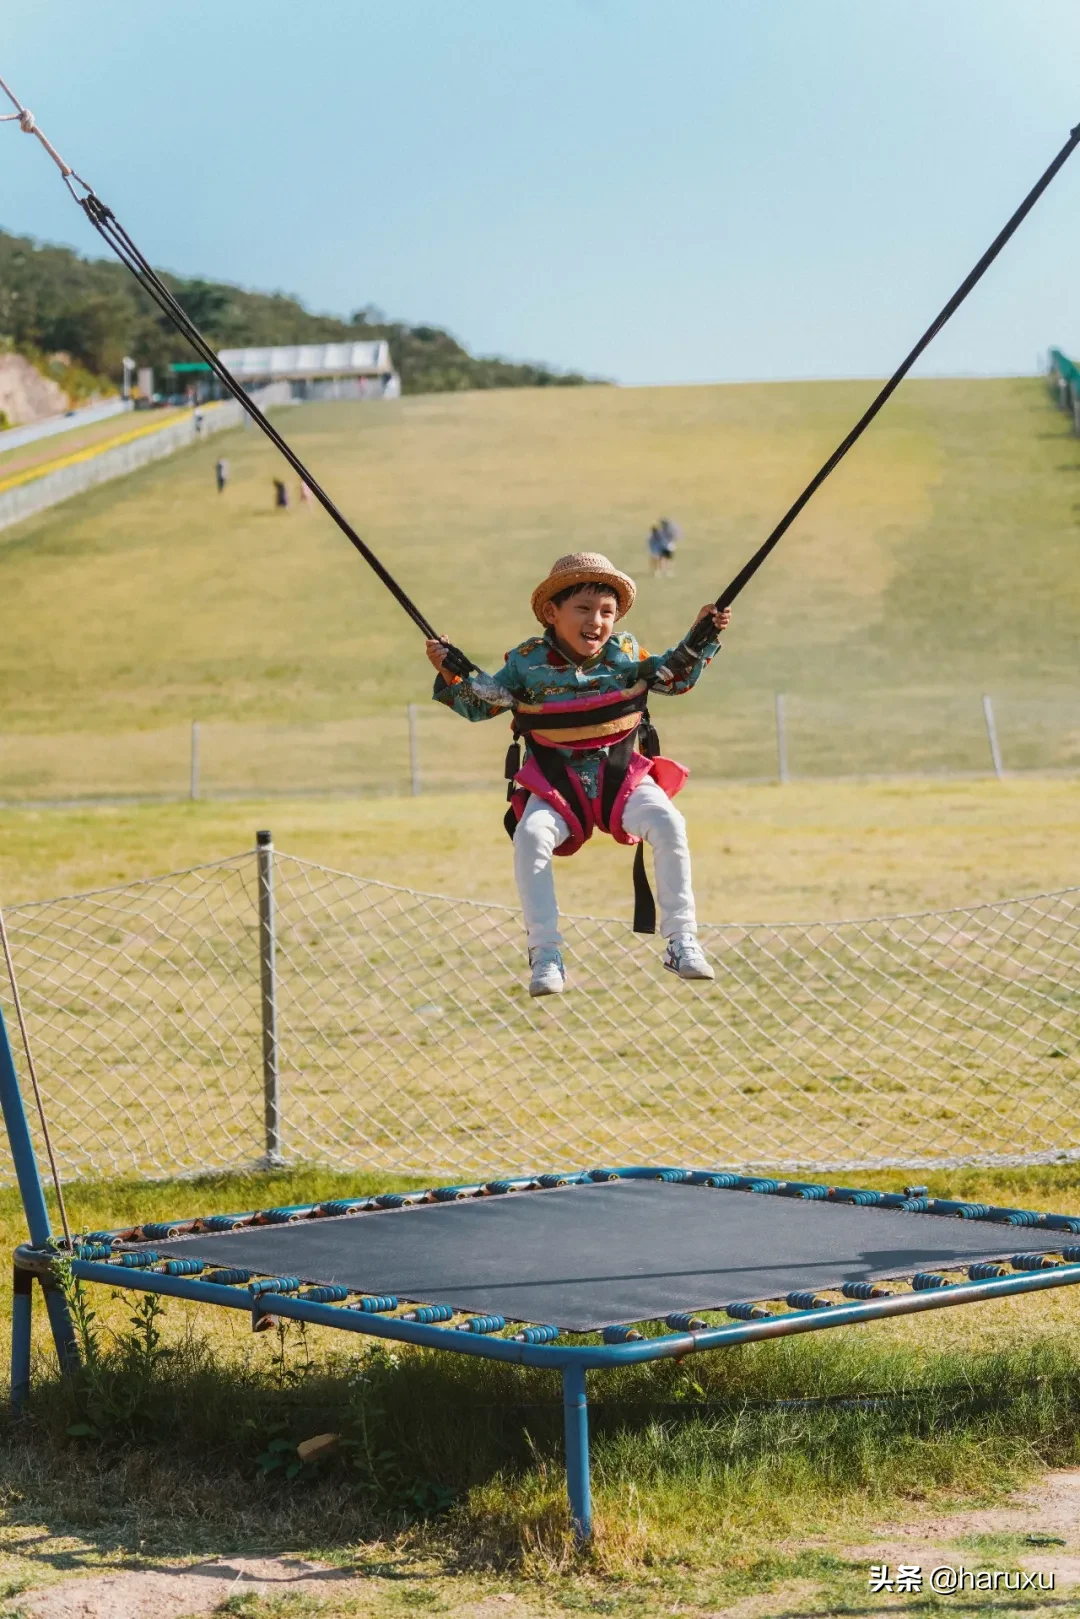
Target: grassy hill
939,562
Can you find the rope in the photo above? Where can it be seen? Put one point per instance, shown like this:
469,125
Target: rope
700,633
117,239
31,1069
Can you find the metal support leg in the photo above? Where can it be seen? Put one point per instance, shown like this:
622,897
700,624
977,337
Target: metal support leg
21,1312
576,1419
63,1332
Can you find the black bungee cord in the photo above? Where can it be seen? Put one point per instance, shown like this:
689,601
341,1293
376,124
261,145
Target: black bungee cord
113,233
116,237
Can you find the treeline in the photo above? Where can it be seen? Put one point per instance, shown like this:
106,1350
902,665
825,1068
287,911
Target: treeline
91,311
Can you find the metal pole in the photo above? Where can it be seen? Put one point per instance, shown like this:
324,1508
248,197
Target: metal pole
992,738
576,1422
781,739
414,753
264,845
33,1202
22,1305
193,791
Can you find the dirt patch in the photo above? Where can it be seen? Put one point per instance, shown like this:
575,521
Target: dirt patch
25,395
176,1593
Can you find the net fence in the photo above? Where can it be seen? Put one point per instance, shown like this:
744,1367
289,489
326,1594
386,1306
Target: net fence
407,1042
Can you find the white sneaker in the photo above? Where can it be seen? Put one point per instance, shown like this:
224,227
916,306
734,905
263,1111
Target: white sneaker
548,972
685,957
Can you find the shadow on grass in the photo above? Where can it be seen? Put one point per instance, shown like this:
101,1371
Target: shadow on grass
461,1461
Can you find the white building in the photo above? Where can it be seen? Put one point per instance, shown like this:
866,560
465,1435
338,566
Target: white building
320,370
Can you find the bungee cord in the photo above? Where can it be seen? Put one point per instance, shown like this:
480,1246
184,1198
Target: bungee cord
117,239
701,632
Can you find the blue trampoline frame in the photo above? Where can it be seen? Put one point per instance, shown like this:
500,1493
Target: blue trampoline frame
930,1291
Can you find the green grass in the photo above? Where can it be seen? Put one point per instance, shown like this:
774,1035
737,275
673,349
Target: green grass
940,558
708,1487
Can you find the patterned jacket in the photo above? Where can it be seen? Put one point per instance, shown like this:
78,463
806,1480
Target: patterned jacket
537,672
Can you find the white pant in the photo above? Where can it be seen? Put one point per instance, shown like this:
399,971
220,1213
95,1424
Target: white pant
649,814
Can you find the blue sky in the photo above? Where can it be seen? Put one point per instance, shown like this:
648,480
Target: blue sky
651,190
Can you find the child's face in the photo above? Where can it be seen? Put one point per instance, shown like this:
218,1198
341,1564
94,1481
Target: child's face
584,622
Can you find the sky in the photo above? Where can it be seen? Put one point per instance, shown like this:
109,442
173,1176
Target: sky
653,191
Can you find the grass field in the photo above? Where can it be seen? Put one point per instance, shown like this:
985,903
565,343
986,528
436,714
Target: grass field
939,559
940,563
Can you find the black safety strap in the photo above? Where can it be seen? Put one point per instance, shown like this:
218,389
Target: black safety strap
116,237
701,632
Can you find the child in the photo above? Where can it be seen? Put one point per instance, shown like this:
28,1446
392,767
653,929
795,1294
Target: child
578,695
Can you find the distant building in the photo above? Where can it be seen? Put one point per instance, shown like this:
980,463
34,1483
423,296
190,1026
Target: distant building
320,370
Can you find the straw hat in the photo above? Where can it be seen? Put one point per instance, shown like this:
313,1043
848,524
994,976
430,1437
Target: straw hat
584,568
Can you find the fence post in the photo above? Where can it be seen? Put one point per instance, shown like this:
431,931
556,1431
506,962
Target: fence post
193,786
414,753
781,739
264,845
992,738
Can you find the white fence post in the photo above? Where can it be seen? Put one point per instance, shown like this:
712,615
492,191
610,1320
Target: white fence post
781,740
414,753
193,780
992,738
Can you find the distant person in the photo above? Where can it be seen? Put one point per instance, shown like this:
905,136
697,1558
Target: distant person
305,494
221,473
198,419
281,494
663,538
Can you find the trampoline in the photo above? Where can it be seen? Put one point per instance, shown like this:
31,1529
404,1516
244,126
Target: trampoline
575,1272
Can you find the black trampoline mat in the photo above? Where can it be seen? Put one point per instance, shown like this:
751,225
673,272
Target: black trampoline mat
589,1256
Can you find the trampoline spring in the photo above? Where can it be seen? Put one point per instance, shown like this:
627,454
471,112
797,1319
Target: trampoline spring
746,1312
274,1284
680,1321
228,1278
863,1200
723,1182
483,1323
428,1314
1071,1255
915,1205
924,1280
339,1205
843,1194
807,1301
972,1211
811,1194
762,1186
916,1191
224,1222
376,1303
986,1270
620,1335
1020,1217
864,1290
183,1267
93,1250
536,1335
454,1194
1032,1262
391,1200
101,1236
498,1188
675,1176
604,1175
136,1261
551,1180
162,1230
1061,1222
325,1295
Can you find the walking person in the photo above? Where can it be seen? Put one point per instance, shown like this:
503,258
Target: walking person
221,474
281,494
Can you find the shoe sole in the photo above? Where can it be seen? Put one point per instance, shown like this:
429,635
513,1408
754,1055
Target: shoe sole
546,989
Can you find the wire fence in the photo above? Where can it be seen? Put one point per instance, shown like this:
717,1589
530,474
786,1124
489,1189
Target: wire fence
266,1008
421,747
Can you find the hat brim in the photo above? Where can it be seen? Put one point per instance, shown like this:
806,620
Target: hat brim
620,584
